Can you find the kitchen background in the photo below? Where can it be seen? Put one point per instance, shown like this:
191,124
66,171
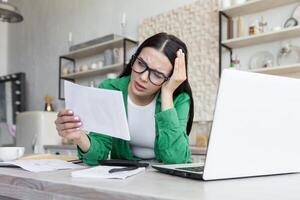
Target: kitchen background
34,45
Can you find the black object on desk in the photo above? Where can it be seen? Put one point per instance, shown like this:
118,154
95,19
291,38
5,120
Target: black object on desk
77,161
125,163
122,169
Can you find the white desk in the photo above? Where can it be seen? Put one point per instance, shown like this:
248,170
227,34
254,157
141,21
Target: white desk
20,184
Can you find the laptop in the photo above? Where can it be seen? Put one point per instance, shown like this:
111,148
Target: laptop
255,131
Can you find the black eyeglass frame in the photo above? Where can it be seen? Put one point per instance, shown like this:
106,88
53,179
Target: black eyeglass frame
134,58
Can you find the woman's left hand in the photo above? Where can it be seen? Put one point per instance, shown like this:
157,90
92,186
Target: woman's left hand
178,76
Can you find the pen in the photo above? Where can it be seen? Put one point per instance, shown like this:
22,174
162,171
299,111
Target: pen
75,161
122,169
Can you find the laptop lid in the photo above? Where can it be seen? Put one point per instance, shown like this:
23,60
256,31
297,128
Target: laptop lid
256,127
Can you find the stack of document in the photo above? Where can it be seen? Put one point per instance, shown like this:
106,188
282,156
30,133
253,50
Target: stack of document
41,165
49,156
103,172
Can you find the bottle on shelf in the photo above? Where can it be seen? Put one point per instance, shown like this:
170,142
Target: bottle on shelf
262,25
123,24
70,40
92,84
93,66
240,27
254,28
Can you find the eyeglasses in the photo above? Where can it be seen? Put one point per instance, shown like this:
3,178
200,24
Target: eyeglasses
140,66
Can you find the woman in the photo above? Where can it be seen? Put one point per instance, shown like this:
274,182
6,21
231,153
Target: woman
159,105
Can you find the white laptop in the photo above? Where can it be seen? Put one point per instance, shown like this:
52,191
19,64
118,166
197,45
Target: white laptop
255,131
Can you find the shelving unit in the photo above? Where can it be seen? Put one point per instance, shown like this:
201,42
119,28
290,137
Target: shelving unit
255,6
251,7
102,71
95,49
280,70
91,51
263,38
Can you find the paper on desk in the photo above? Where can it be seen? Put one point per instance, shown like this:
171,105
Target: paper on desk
102,172
41,165
100,110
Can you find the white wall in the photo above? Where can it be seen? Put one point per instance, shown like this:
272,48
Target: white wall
3,48
4,138
36,43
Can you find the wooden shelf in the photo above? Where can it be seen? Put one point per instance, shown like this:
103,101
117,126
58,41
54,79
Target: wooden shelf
91,52
104,70
255,6
95,49
280,70
263,38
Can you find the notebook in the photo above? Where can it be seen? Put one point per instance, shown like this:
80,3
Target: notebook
102,172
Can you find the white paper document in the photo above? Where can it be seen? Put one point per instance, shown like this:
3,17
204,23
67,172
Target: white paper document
100,110
41,165
102,172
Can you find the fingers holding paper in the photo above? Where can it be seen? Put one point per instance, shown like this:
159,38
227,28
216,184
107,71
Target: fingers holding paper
69,126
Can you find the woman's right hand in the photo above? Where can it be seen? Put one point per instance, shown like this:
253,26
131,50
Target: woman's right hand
69,126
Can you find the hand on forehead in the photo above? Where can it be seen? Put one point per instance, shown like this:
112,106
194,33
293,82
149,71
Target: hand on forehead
156,60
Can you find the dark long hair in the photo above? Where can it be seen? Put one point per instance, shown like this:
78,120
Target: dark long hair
168,45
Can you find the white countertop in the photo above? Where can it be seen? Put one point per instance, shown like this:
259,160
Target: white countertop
17,183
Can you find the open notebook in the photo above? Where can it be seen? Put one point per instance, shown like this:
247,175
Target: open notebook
44,162
103,172
41,165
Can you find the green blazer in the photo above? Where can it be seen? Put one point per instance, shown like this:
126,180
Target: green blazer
171,141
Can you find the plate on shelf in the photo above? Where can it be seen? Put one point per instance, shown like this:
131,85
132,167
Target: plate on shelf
261,59
289,56
296,14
